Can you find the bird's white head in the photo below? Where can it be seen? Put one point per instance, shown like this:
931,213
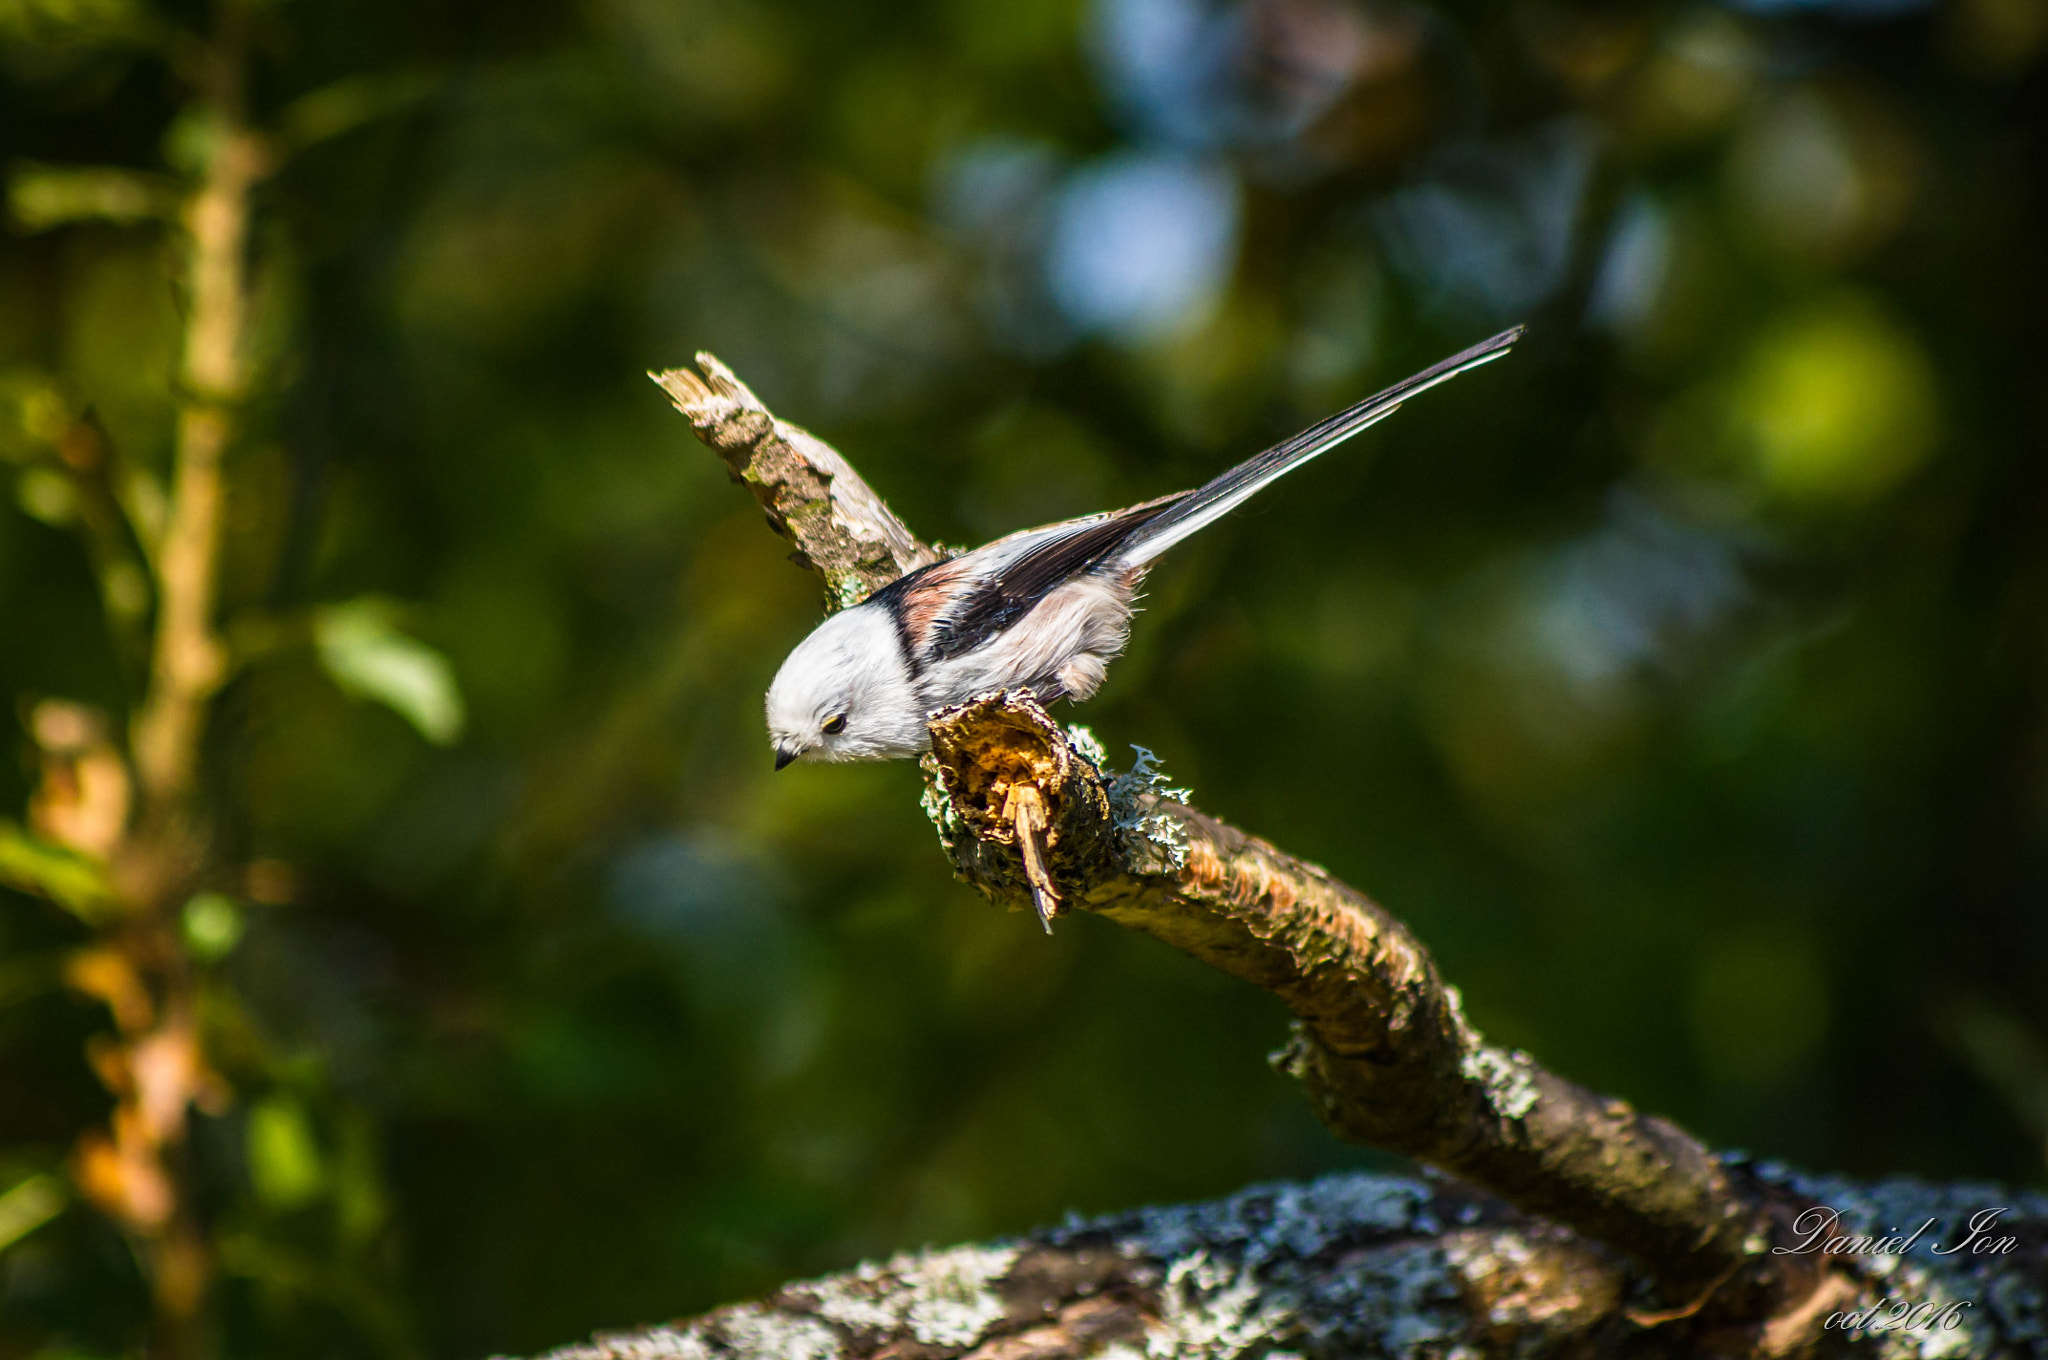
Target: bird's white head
845,693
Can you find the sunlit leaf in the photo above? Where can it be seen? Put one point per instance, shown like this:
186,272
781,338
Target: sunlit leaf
28,1206
70,880
44,196
1838,404
35,411
213,925
363,650
46,495
285,1164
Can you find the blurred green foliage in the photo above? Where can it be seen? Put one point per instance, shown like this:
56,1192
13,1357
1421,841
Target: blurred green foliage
1683,680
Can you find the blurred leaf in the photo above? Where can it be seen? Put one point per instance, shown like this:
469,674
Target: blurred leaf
28,1206
192,139
22,978
213,925
34,413
1760,1006
284,1161
1819,181
362,649
45,196
348,104
2008,1055
70,880
361,1203
47,495
74,21
1839,403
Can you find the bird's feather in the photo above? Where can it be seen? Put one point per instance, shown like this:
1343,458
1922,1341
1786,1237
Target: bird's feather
1206,504
951,610
1032,572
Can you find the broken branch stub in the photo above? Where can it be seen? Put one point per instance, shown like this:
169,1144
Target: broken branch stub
1010,780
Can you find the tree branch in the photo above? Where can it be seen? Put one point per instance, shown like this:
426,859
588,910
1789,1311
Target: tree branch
137,1169
1028,816
813,497
188,662
1380,1041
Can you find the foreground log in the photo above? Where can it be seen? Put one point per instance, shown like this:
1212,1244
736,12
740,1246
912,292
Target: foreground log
1349,1266
1670,1241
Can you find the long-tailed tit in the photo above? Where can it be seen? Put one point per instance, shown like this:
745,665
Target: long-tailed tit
1043,610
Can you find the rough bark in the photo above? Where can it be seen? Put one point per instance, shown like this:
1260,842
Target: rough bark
1347,1267
1636,1215
812,496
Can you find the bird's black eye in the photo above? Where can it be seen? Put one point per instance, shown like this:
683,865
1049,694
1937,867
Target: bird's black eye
834,725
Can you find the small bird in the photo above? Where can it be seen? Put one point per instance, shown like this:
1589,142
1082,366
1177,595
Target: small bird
1043,610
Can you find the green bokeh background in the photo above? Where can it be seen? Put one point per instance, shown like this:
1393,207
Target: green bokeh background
1681,679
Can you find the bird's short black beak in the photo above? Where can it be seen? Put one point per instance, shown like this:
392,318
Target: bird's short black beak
784,755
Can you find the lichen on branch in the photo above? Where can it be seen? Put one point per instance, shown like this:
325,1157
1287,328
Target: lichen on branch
812,496
1346,1266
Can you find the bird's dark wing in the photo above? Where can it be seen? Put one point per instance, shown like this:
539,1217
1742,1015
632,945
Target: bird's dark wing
1011,588
920,599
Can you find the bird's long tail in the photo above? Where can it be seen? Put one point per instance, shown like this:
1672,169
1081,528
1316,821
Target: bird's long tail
1231,489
